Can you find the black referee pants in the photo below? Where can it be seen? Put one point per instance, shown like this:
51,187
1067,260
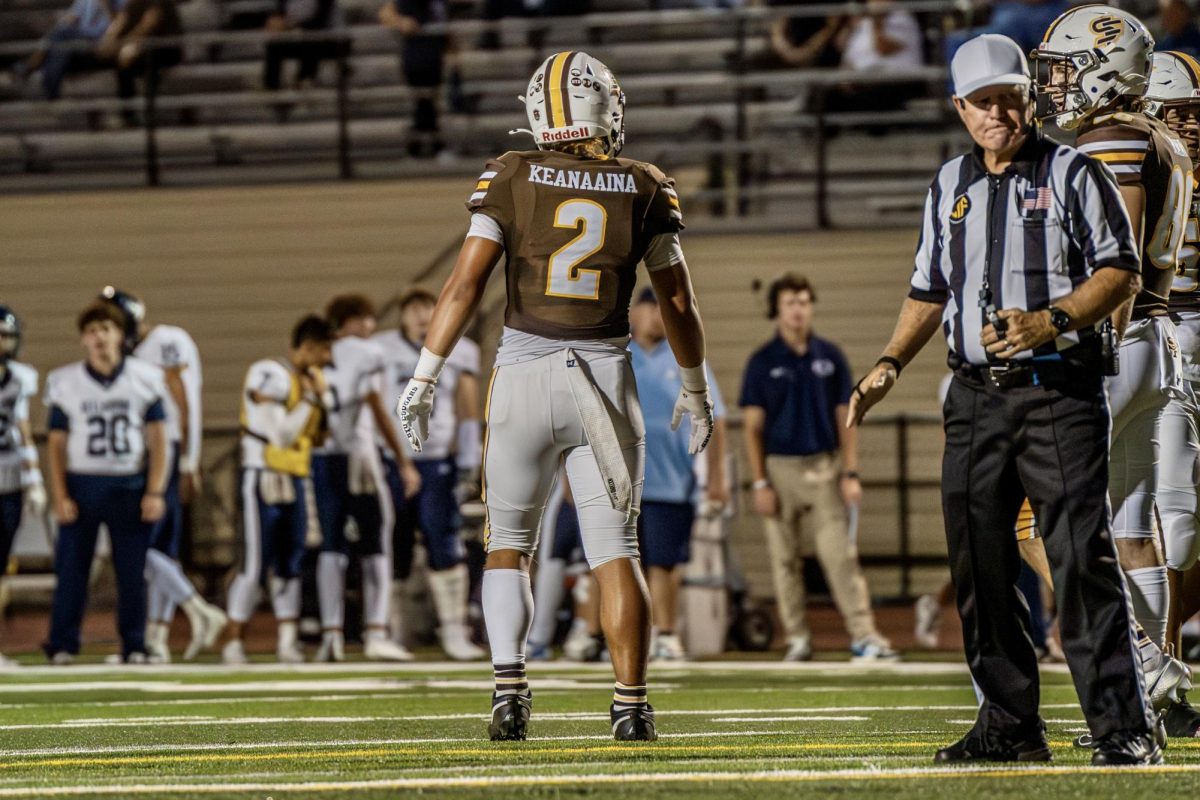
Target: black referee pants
1052,445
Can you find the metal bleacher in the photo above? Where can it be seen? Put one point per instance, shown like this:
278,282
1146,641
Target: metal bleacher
694,101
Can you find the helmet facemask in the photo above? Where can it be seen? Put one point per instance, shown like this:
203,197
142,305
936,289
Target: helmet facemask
10,337
1060,80
1182,117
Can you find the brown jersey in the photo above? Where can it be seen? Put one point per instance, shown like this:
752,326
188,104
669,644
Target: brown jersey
1142,152
575,229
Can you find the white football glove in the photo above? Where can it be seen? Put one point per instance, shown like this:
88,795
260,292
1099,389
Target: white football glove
701,409
35,499
414,408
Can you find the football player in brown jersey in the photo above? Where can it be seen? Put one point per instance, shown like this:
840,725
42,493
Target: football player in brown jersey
1174,97
573,222
1096,66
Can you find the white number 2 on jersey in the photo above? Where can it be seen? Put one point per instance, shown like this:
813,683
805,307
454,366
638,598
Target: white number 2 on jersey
565,278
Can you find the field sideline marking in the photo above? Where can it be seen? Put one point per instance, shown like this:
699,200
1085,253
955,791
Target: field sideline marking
333,743
492,782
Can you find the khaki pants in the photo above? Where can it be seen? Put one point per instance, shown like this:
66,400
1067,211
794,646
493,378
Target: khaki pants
811,510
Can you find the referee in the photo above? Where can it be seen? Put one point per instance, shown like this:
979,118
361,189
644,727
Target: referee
1025,251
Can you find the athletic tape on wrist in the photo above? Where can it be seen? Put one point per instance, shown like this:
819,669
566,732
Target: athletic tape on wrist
429,365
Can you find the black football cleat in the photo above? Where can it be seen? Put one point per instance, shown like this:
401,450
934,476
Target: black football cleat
1126,749
510,717
1085,741
1182,720
970,748
633,723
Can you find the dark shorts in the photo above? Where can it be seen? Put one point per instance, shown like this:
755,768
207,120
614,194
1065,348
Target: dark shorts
665,533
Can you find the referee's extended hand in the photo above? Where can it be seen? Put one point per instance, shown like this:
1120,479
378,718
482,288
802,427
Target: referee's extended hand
1023,330
869,391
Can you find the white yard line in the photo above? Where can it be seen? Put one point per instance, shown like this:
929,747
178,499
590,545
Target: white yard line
794,718
493,782
332,744
316,685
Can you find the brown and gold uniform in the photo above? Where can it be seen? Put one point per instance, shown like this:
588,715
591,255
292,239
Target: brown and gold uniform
1143,152
573,230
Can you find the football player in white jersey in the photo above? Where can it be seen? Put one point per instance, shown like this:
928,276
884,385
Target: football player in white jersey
348,482
173,350
283,416
108,465
20,478
449,457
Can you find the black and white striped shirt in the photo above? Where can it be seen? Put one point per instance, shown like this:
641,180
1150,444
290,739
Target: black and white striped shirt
1039,229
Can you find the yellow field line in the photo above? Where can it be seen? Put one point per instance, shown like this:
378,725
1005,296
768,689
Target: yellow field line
208,757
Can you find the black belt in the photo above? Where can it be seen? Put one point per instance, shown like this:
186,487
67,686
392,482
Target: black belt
1021,374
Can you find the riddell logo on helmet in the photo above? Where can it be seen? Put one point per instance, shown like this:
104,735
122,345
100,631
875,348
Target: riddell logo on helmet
565,134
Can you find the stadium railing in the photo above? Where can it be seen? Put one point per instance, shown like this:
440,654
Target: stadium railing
210,546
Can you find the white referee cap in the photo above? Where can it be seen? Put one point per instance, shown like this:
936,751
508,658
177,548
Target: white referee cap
988,60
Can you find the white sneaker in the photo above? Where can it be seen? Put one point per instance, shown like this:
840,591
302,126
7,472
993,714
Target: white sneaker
333,648
207,622
458,645
62,659
7,663
872,648
377,647
799,649
132,658
289,653
234,652
668,647
928,621
157,651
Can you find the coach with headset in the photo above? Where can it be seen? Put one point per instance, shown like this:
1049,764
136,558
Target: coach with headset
1024,253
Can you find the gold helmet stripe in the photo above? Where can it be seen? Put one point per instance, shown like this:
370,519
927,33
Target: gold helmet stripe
556,86
1193,67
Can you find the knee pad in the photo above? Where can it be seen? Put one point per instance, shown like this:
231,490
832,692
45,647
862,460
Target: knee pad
607,535
523,541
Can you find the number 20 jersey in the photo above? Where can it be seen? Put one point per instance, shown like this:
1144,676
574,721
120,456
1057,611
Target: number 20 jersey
105,417
574,229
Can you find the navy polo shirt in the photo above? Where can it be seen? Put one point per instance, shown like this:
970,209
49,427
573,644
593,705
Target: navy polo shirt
799,393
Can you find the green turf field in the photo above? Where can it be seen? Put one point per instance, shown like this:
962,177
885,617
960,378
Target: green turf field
744,730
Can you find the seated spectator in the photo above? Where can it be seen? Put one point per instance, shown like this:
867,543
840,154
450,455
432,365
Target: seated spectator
804,41
124,44
886,39
67,47
1023,21
301,15
422,59
1179,29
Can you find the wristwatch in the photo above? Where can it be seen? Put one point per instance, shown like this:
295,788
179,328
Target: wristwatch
1060,319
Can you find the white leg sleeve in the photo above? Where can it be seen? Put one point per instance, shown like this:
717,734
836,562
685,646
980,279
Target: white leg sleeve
154,596
1150,593
507,611
285,598
377,590
1133,475
331,588
1179,475
450,588
243,598
169,577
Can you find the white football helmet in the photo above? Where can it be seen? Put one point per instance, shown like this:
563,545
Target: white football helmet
1174,96
1090,56
572,97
